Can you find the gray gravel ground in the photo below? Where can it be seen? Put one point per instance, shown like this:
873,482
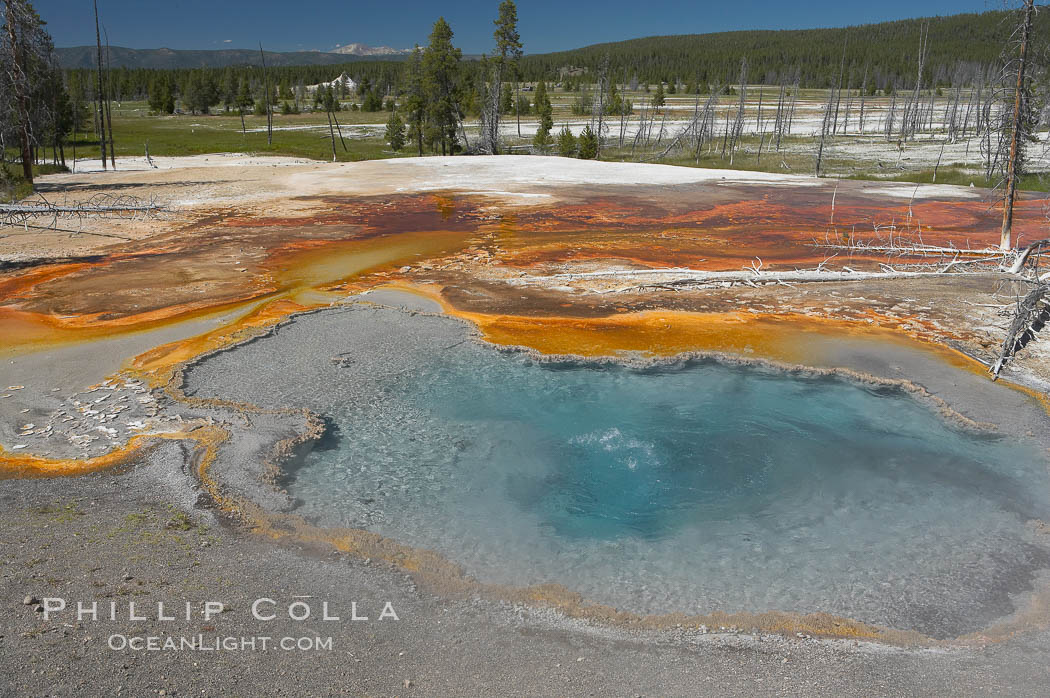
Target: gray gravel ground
125,537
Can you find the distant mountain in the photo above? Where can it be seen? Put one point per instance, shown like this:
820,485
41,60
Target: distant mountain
166,58
366,50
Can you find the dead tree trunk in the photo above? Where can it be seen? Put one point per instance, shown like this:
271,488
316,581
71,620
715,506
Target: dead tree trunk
1015,131
623,109
1031,315
100,96
838,90
911,122
849,102
268,97
863,96
891,113
490,114
331,132
109,104
738,125
599,104
758,119
517,103
825,126
778,125
339,130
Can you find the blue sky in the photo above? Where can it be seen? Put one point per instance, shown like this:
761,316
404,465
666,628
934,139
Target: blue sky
545,25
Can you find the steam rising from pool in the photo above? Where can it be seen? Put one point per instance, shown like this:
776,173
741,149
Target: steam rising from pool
693,488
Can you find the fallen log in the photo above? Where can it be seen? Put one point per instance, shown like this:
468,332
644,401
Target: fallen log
51,210
1031,315
1024,255
102,205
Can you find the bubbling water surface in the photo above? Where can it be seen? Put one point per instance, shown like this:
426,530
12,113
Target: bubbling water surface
695,487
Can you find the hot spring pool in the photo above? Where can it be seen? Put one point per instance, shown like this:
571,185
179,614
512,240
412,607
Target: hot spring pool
694,487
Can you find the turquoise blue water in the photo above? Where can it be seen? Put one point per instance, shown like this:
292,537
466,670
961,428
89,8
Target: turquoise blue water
693,488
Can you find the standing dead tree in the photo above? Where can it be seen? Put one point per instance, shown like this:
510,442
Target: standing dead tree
825,127
598,103
623,110
697,131
329,103
891,113
838,91
268,100
758,118
911,122
738,123
779,120
849,101
1020,127
109,103
508,50
791,111
100,96
863,96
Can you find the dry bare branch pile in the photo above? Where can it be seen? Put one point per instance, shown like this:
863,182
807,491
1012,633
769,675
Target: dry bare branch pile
35,215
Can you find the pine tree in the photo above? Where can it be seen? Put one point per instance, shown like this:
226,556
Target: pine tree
373,101
566,143
440,75
508,51
395,132
588,144
169,98
545,111
229,89
413,103
156,95
658,96
506,100
244,100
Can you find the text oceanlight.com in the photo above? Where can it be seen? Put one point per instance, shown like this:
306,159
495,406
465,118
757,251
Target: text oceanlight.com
262,610
206,643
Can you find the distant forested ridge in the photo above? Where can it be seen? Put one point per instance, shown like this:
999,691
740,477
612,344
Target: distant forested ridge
171,59
959,46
